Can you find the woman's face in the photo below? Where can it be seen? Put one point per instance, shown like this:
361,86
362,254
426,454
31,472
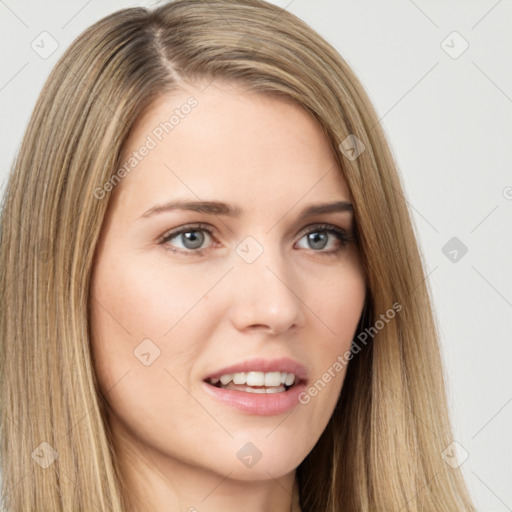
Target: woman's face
254,284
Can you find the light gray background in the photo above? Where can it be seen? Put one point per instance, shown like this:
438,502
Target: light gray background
449,122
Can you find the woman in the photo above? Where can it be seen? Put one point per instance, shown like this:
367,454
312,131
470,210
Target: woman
211,291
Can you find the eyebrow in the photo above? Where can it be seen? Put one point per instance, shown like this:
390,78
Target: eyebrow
220,208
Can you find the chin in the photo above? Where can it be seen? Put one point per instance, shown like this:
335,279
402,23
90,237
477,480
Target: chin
262,459
261,471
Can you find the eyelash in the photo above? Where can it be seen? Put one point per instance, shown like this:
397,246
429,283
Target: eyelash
341,234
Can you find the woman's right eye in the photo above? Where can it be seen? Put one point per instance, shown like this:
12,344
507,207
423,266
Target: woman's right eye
191,237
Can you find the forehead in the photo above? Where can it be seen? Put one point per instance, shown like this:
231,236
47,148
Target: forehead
231,145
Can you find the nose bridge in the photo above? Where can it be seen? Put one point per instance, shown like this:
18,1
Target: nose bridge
266,292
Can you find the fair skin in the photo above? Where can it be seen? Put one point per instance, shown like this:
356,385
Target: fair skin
301,298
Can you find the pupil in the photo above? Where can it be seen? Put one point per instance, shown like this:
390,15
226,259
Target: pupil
193,239
314,238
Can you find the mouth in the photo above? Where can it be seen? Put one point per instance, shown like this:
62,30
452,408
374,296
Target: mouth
263,387
255,381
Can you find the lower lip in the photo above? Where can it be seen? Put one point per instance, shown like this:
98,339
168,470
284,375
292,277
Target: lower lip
261,404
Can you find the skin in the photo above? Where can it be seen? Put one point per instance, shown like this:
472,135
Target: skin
177,446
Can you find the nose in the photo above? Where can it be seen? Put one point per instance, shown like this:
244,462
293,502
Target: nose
267,295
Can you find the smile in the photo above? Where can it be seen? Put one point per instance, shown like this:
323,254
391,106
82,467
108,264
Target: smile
255,382
262,387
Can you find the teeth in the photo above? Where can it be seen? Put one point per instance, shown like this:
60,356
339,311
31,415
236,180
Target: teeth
269,379
273,379
239,378
290,379
255,379
260,390
226,379
279,389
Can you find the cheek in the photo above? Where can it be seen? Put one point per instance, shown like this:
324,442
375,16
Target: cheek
139,309
140,302
338,307
345,302
136,301
145,330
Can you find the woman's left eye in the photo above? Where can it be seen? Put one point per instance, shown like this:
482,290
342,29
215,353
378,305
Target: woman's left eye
318,238
193,237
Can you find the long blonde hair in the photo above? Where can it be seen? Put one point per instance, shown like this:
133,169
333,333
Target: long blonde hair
382,448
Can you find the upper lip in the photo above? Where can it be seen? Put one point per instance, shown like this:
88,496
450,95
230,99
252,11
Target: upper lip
284,365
